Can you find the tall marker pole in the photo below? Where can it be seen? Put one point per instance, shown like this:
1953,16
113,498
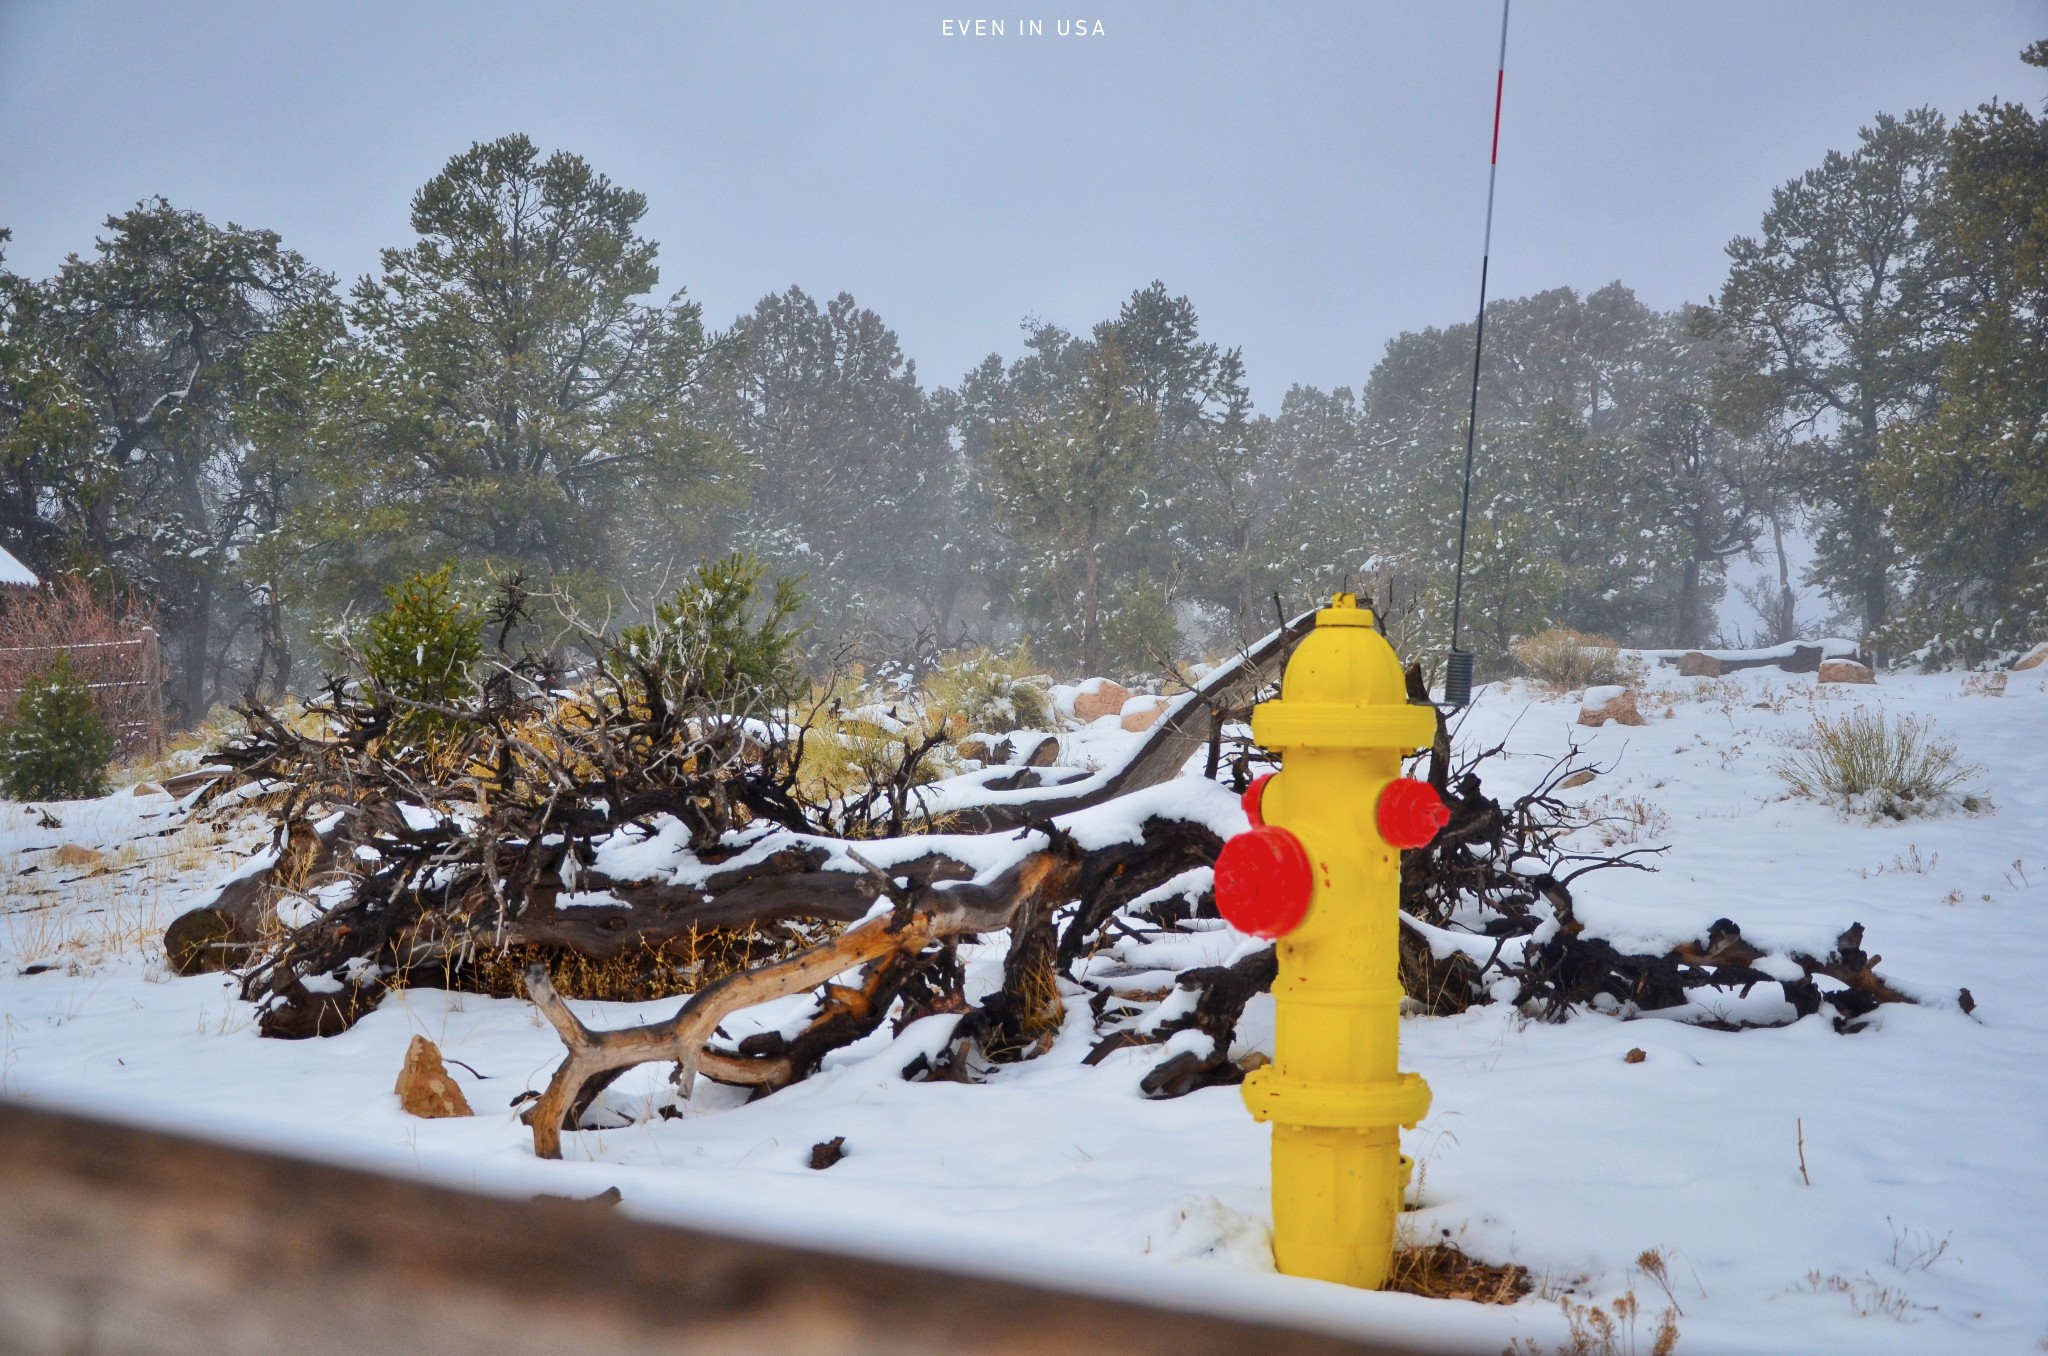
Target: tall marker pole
1458,671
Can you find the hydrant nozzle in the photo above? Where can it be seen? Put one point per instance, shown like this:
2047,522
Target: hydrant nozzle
1320,872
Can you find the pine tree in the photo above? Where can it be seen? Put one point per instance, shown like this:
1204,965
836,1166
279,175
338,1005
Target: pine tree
502,394
419,652
1967,491
57,745
1068,469
851,478
133,463
1835,303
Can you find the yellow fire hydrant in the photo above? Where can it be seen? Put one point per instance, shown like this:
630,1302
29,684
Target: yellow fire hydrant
1320,871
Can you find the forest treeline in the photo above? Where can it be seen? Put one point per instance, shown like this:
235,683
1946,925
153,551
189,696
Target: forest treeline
204,424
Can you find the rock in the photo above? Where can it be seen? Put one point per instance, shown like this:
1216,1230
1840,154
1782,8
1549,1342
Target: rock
1635,1056
187,782
425,1088
72,854
1845,671
146,789
828,1152
1577,779
2034,658
1805,659
204,939
1099,697
1602,704
1035,750
1142,713
1693,664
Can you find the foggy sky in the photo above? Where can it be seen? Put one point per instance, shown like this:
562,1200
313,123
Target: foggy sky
1314,176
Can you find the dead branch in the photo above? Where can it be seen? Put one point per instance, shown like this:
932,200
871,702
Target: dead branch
934,913
1179,735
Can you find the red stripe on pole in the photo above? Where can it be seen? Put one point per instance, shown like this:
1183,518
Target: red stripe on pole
1499,87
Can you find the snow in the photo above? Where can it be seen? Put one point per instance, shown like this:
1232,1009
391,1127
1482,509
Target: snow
1831,647
1543,1145
15,574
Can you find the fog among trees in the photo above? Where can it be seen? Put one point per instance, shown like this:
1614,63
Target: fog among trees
200,422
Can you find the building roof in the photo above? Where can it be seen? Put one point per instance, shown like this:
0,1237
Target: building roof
14,574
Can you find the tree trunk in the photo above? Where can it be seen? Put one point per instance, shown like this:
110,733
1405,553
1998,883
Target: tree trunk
1690,627
192,649
1091,604
1876,605
1247,605
1786,624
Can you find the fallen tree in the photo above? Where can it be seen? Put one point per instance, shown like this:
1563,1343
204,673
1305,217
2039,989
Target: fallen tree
628,820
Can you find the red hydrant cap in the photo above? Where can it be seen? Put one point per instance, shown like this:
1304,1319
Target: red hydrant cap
1254,796
1411,813
1264,882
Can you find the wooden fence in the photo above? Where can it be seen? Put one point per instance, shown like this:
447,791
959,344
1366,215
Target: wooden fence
125,1242
124,676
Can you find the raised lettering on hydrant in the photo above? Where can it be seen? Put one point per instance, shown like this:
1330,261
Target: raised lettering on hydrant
1320,872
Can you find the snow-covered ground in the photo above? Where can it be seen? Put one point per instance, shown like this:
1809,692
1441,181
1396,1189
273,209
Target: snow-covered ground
1924,1226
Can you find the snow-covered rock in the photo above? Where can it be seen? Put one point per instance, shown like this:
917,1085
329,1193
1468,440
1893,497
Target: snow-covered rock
1142,713
1602,704
1099,697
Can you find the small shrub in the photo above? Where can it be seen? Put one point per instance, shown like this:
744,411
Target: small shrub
1138,627
422,646
1863,763
738,647
57,746
862,763
1573,659
981,690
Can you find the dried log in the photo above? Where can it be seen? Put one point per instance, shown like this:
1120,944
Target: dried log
926,915
791,884
1224,990
1114,876
1192,723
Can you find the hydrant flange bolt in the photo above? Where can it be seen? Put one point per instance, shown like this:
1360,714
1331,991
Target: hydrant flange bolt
1264,882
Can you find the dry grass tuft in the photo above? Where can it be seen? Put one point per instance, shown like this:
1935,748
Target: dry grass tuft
1866,764
988,692
1566,659
1619,821
1442,1271
1594,1331
635,976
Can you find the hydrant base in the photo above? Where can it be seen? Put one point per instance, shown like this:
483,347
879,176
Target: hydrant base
1336,1197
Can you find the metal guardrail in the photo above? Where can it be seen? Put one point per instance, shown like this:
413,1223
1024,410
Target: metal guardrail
126,1242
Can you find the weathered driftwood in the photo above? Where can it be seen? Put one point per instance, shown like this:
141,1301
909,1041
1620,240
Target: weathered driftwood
923,915
547,783
1192,724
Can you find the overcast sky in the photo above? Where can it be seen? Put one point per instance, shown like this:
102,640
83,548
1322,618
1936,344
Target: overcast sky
1313,175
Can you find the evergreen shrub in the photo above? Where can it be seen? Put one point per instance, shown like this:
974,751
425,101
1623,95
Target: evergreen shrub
421,647
57,746
1139,631
989,692
726,639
